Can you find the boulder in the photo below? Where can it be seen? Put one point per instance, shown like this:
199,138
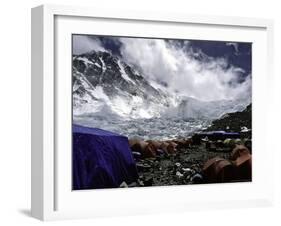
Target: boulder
197,178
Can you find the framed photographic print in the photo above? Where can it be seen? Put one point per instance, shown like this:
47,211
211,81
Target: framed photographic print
141,113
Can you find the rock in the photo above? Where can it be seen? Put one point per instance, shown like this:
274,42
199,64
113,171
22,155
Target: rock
205,139
137,155
140,182
177,164
143,166
187,170
134,184
123,185
148,181
197,178
234,121
244,129
188,178
179,174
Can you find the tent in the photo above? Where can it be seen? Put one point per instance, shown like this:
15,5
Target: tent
101,159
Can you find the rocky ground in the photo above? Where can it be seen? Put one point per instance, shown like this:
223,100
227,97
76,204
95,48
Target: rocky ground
234,122
184,167
186,164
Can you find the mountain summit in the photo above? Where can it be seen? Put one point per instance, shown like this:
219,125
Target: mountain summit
101,78
104,85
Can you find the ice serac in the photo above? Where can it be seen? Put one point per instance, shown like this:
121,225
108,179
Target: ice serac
190,108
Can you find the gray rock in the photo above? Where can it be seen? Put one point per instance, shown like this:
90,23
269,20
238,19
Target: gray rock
123,185
197,178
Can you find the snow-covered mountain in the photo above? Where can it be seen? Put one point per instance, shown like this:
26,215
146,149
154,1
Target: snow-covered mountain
103,83
106,86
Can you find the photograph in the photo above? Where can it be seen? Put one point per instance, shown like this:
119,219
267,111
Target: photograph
160,111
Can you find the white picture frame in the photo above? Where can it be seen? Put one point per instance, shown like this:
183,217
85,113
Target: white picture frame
49,198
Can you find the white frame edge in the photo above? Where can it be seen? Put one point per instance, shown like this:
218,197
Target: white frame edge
43,86
42,111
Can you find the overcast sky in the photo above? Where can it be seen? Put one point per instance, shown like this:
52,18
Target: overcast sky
207,70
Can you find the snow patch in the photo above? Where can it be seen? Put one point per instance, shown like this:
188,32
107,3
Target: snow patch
103,66
124,74
157,86
99,94
85,60
96,64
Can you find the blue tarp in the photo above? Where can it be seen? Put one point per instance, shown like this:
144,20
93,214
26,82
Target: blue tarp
217,135
101,159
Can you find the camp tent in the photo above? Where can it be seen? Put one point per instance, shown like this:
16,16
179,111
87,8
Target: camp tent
101,159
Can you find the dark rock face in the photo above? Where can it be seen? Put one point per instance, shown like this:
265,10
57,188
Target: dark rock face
232,122
114,75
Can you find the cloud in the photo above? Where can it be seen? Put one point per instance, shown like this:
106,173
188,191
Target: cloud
84,43
235,45
186,71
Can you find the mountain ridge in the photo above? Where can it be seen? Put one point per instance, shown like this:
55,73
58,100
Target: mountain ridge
105,83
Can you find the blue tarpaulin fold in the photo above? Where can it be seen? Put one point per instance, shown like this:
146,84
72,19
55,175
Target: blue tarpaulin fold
101,159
